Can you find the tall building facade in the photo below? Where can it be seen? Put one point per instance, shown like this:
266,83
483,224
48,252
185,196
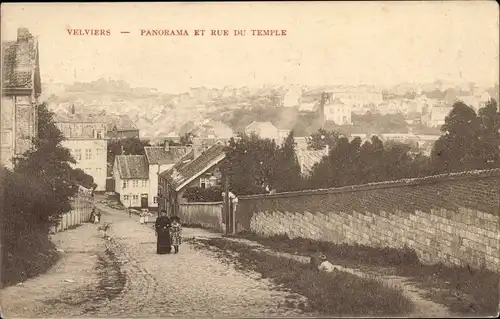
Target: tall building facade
86,139
21,88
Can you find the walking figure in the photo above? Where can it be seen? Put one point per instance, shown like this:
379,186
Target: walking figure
162,227
104,229
175,233
97,217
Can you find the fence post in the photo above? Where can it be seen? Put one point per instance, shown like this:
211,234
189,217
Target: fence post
227,207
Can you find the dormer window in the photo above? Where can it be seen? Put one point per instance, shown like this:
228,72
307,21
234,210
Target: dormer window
98,134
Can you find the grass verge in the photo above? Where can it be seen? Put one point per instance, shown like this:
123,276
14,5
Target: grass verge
329,293
197,225
463,290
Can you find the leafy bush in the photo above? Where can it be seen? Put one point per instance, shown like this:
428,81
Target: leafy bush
198,194
34,196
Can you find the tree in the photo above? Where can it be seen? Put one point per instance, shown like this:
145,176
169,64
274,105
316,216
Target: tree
459,148
250,164
287,176
353,163
489,117
49,166
187,139
33,197
127,146
198,194
340,167
321,138
254,164
83,179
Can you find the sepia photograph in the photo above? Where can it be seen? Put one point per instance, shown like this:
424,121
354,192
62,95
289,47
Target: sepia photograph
313,159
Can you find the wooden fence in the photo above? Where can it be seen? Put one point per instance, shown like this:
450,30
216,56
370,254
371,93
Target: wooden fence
207,215
82,206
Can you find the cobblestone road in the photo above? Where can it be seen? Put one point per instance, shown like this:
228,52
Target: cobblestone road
125,277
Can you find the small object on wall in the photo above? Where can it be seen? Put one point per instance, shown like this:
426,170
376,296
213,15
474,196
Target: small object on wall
317,259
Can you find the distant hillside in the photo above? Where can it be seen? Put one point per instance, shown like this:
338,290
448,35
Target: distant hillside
143,105
156,114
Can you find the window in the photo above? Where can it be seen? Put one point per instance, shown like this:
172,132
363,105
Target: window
97,152
125,184
88,170
98,170
155,200
144,183
204,182
135,197
6,137
78,154
98,134
88,154
135,183
125,197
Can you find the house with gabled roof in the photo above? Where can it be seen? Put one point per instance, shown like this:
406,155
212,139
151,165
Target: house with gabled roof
201,171
21,89
337,111
267,130
136,176
131,180
159,159
308,158
121,126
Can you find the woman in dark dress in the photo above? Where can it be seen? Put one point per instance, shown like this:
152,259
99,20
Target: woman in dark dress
163,241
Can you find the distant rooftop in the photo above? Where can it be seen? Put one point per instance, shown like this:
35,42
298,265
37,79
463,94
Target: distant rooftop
78,118
132,166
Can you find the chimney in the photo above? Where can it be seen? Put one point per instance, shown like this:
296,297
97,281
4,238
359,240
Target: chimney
72,109
167,145
23,34
197,147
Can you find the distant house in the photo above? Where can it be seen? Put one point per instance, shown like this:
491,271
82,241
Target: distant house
200,144
292,97
308,107
213,129
202,171
131,180
267,130
472,101
338,112
436,116
122,126
301,142
85,138
308,158
159,159
144,169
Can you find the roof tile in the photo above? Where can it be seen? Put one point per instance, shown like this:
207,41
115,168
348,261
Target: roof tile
181,173
155,154
132,166
12,54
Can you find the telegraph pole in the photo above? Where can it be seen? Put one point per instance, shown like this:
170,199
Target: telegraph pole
227,205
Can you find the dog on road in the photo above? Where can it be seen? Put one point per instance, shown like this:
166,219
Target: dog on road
104,230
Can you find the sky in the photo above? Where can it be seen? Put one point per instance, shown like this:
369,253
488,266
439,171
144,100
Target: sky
374,43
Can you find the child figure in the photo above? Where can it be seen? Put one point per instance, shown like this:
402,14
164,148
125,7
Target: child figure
175,232
97,217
